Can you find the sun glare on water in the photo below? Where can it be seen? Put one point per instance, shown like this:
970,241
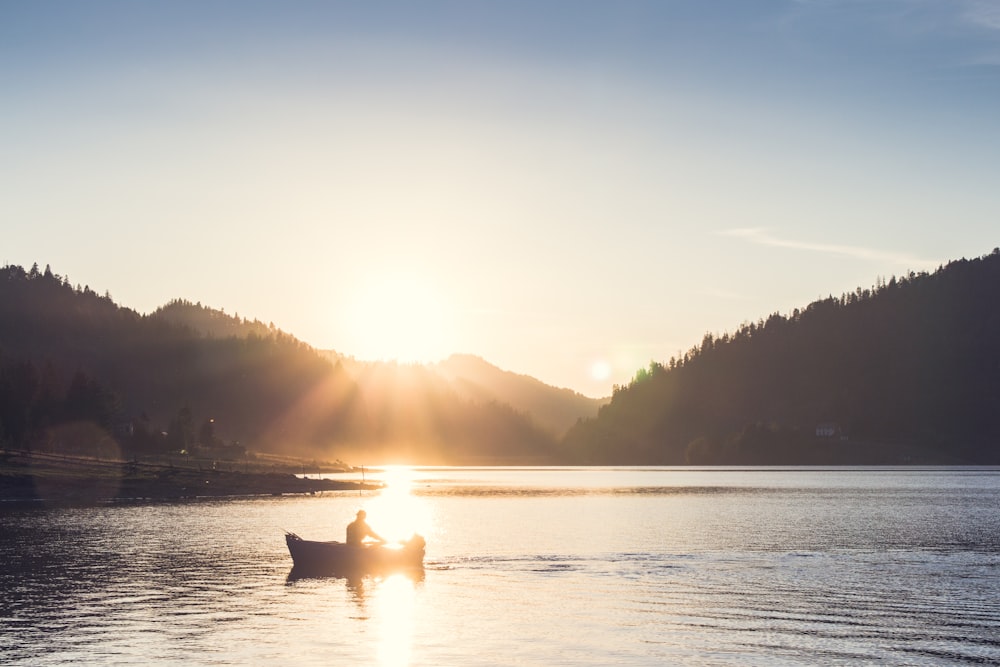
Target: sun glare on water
395,513
395,608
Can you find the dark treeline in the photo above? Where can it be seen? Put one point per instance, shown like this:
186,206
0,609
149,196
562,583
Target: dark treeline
908,371
905,372
78,372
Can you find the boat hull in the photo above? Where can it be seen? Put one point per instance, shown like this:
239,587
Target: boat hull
340,558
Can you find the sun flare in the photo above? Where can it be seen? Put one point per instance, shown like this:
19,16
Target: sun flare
401,318
600,370
396,514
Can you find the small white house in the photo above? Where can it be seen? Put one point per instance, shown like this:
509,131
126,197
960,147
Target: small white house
827,430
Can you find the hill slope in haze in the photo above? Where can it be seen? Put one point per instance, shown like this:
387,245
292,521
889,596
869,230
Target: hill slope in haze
80,373
554,409
906,372
473,379
470,378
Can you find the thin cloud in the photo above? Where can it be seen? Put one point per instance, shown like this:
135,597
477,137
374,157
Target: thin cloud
919,16
983,13
761,236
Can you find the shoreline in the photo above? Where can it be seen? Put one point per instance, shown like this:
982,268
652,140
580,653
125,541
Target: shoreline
43,490
31,480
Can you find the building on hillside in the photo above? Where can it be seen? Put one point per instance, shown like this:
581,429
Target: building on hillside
827,430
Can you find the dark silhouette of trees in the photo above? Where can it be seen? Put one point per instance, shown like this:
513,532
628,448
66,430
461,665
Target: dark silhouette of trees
187,376
909,371
87,400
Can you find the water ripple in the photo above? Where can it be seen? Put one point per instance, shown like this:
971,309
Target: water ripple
735,577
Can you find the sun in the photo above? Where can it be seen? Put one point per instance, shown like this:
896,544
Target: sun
399,317
600,370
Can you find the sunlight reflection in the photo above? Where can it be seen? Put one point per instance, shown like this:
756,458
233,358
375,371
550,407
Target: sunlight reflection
394,609
399,479
396,514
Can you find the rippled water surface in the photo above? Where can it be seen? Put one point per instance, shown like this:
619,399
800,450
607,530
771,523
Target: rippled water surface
528,566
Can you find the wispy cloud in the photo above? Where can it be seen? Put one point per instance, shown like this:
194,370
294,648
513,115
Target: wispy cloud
915,16
983,13
762,236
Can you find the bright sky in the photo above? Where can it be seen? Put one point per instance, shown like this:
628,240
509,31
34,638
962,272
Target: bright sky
567,189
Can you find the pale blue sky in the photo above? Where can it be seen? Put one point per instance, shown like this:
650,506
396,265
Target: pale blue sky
549,185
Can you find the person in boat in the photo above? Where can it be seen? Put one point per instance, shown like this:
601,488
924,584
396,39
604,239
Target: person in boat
358,531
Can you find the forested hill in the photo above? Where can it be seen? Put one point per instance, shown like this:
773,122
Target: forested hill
211,322
905,372
80,373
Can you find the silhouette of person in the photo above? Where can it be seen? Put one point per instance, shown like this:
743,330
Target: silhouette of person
359,530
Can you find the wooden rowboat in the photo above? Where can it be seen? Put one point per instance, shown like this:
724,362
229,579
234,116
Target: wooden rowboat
338,557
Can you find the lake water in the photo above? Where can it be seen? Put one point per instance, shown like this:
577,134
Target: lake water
568,566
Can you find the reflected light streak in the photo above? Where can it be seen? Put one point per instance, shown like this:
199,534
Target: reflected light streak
399,479
395,612
396,514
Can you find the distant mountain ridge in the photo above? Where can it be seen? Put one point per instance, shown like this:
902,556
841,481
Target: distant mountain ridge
905,372
188,376
554,409
474,379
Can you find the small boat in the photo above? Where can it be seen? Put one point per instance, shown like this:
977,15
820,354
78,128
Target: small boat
339,557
